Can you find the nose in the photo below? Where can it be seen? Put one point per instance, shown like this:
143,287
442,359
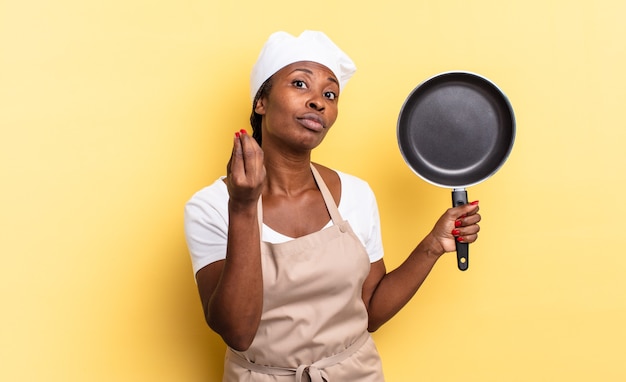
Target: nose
316,102
316,106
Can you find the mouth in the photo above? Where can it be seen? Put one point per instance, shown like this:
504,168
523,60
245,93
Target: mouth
312,122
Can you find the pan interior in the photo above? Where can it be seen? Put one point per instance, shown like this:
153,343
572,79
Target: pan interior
456,129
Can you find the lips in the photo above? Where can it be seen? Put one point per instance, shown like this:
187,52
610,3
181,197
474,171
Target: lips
312,122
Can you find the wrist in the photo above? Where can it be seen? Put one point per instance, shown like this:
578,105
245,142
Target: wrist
432,247
244,208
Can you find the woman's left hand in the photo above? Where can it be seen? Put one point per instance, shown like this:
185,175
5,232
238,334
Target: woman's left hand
458,224
385,294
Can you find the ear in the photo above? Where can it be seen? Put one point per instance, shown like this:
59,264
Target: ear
259,107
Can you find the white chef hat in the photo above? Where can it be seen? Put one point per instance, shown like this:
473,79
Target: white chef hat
282,49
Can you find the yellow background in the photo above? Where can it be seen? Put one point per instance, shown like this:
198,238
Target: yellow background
113,113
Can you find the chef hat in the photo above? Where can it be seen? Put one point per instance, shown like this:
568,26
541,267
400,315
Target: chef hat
282,49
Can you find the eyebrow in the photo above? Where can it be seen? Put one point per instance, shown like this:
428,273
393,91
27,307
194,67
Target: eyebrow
332,79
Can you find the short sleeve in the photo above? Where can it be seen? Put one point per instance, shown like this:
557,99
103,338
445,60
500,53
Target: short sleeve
359,207
206,225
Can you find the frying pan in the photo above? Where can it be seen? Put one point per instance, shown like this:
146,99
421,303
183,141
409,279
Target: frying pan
455,130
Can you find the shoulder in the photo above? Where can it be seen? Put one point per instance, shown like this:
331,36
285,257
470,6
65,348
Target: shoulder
355,190
353,182
210,198
354,196
206,224
342,181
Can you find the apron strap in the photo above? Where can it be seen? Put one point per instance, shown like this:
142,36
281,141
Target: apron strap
331,206
259,212
315,371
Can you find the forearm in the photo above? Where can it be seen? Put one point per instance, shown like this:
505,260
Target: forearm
397,287
235,306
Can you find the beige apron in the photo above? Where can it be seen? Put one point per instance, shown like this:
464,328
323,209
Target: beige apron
314,323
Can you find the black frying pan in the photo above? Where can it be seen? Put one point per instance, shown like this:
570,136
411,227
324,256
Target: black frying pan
455,130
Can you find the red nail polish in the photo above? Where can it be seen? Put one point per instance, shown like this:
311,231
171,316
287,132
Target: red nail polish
457,223
455,232
237,134
475,202
459,238
243,131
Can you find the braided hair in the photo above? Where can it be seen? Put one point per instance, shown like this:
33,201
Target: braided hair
256,119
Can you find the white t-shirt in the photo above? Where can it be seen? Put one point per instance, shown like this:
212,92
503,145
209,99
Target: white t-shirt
206,220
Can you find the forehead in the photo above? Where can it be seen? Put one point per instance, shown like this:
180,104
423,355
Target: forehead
307,67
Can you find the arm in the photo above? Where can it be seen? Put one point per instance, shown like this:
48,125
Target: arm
384,294
231,290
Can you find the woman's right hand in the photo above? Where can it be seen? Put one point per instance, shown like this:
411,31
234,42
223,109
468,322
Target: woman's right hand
232,289
245,170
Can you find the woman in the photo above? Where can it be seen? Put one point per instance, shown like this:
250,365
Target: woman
287,253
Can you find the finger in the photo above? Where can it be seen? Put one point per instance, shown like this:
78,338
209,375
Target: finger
468,220
467,239
471,208
465,210
473,211
236,163
466,234
465,226
251,153
230,160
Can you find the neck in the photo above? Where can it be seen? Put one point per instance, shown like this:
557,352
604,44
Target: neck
288,174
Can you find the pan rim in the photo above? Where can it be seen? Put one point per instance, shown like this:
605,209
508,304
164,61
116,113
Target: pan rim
458,73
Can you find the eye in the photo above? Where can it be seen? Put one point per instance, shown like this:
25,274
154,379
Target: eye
330,95
299,84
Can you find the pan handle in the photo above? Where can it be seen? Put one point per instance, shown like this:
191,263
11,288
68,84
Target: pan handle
459,198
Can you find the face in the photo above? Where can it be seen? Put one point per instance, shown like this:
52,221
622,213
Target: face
301,106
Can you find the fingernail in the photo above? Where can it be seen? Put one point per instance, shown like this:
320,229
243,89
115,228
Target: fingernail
475,202
237,134
243,131
455,232
459,238
457,223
